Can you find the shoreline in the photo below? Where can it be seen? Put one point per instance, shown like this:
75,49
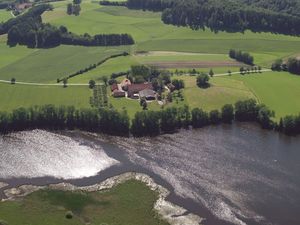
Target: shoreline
173,214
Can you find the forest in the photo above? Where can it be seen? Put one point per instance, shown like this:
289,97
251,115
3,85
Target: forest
230,16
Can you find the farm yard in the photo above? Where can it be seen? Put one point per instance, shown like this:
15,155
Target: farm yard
163,46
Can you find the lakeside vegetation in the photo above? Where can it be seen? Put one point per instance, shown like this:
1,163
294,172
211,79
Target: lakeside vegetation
114,206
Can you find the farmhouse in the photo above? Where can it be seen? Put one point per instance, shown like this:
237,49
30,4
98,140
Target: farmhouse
23,6
134,89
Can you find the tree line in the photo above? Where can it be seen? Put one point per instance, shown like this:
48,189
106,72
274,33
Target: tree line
231,16
240,56
170,119
29,30
92,66
52,117
292,65
113,3
144,123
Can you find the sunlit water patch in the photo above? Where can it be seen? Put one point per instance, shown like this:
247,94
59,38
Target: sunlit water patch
40,153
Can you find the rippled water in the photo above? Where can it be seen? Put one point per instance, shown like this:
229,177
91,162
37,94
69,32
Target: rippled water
240,174
40,153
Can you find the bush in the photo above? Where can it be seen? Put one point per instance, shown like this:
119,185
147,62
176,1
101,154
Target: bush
202,80
69,215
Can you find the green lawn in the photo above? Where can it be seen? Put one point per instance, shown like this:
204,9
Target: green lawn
120,64
130,203
46,65
221,92
15,96
280,91
5,15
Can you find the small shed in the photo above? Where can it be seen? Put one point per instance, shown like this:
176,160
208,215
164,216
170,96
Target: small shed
148,94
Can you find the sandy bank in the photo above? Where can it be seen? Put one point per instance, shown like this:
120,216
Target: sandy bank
2,185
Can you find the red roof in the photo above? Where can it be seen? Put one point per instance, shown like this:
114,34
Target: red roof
136,88
114,86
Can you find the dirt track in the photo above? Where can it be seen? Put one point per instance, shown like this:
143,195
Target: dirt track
195,64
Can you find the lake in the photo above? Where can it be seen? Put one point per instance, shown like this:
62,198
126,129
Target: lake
230,174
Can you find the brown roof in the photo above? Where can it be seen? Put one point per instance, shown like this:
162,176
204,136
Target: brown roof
117,93
23,6
136,88
114,86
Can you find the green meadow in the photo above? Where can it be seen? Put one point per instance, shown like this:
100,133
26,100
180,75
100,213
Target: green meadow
14,96
46,65
221,91
278,90
114,206
4,15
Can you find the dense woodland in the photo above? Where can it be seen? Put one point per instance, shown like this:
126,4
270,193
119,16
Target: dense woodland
145,123
28,29
227,15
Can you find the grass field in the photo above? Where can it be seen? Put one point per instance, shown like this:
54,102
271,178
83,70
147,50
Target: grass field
15,96
278,90
221,92
46,65
151,34
4,15
115,206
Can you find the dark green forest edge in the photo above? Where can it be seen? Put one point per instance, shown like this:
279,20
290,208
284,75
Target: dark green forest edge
28,29
276,16
145,123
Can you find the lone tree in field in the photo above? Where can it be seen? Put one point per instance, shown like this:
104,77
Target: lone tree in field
76,2
211,73
13,80
202,80
229,72
259,69
70,9
143,103
92,84
65,82
105,80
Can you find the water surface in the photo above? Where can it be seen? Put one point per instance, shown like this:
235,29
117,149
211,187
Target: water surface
236,174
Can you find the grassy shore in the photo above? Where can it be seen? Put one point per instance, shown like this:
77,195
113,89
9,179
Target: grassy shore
130,203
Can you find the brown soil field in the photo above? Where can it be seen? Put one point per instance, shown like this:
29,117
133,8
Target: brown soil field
195,64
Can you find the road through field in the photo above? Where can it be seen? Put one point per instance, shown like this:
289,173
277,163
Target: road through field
81,84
